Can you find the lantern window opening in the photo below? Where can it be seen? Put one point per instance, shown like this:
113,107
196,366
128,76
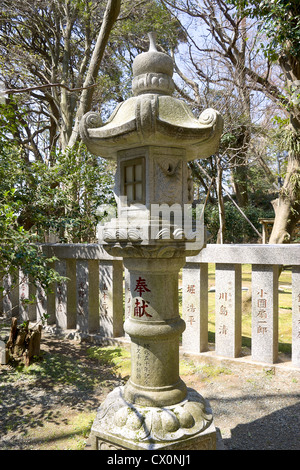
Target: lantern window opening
133,178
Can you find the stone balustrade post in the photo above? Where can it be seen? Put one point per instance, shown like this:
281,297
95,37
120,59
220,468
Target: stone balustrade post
41,303
65,296
94,299
195,306
46,305
111,298
264,343
27,311
10,300
23,296
296,316
228,333
1,294
87,279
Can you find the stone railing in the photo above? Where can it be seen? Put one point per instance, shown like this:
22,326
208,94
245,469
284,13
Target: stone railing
96,298
266,262
90,301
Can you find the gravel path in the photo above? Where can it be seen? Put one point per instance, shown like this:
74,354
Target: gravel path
253,408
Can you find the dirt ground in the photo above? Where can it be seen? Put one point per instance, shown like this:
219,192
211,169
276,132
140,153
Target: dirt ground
52,405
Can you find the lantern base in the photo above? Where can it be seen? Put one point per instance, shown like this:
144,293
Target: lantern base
120,425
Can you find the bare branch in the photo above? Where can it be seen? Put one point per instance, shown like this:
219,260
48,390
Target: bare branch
12,91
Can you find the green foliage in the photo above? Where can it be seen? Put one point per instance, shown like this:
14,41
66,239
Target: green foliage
18,249
280,21
66,196
60,199
36,199
238,230
288,140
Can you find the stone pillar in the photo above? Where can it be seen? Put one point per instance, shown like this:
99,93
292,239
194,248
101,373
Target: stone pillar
264,342
296,316
3,353
82,291
87,281
5,300
65,298
32,307
23,295
154,327
228,310
195,306
46,303
10,302
41,303
94,308
111,298
26,290
51,305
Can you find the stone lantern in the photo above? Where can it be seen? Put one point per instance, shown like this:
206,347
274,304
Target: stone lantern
152,136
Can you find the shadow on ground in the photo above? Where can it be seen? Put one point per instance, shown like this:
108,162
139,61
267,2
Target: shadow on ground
277,431
52,405
56,398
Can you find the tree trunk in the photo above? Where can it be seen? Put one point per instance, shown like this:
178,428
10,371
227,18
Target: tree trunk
287,206
111,14
240,176
23,343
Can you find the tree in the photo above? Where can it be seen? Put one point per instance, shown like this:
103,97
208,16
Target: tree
256,41
280,21
220,69
51,54
54,50
18,249
61,43
218,55
39,178
110,16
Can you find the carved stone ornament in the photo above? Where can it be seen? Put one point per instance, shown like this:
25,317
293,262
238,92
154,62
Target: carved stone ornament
132,250
152,115
152,425
168,178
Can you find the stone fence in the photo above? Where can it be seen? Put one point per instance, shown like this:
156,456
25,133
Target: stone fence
90,301
266,262
96,297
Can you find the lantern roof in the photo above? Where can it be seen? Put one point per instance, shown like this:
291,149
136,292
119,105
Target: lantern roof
152,116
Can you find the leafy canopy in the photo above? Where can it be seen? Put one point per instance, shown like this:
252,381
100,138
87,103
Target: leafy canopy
280,21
